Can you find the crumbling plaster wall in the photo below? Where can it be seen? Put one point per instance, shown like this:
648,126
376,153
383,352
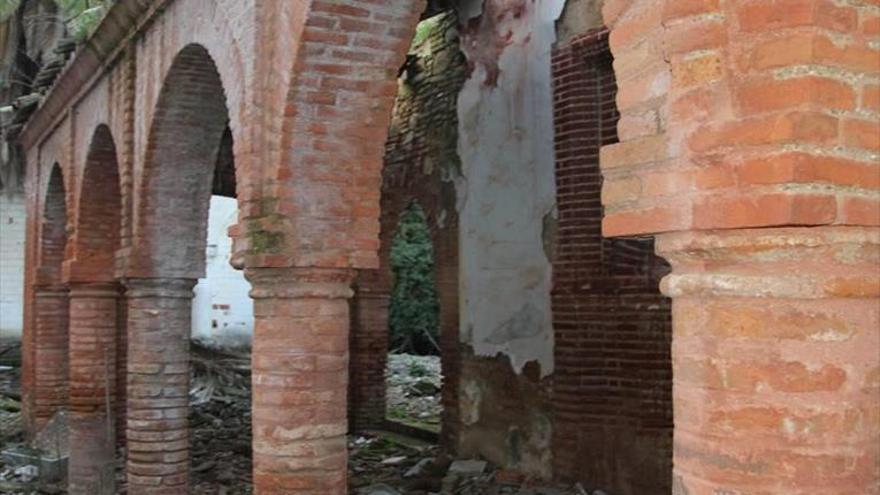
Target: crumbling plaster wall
506,199
507,186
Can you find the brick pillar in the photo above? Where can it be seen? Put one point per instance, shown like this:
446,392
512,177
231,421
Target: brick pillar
93,333
369,354
159,314
121,366
300,378
776,361
50,341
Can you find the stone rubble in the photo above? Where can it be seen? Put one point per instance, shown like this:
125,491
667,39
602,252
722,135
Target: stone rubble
380,463
413,390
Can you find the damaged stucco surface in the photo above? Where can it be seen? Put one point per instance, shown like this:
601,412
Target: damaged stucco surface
507,184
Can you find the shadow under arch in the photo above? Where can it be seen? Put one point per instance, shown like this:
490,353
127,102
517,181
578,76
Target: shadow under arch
99,212
97,332
188,136
45,346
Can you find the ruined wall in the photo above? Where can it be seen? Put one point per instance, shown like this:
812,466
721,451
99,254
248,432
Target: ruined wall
507,188
421,164
506,201
612,390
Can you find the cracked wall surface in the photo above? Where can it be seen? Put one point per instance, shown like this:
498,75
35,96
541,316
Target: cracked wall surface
507,184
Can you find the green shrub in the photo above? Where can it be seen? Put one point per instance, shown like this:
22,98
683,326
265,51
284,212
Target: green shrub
414,315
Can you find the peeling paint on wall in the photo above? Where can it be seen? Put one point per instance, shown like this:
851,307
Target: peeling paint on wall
507,186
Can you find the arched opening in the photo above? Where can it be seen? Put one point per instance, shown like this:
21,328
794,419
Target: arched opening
414,376
189,156
97,334
53,234
49,342
410,304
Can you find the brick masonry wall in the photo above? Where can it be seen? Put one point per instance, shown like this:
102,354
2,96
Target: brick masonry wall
612,389
99,212
47,383
743,114
420,162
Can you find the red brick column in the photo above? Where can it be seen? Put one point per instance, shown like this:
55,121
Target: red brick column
93,333
50,341
300,379
369,355
159,326
776,356
738,116
121,365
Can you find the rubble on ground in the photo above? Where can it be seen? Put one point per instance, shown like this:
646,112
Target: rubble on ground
19,479
381,463
413,390
220,418
390,464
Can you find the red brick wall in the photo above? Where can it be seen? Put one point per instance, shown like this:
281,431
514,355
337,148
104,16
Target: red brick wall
743,114
612,387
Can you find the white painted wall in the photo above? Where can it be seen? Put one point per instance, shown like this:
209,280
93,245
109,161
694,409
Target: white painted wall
222,311
12,226
508,184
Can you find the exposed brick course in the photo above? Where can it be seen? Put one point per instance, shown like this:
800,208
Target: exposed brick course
612,389
731,83
775,359
763,123
300,380
159,312
92,407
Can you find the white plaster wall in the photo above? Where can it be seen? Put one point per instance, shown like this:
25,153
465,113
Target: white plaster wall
12,234
507,185
222,311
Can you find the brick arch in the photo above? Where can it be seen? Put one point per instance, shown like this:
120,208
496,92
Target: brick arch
44,343
99,212
53,228
337,110
186,135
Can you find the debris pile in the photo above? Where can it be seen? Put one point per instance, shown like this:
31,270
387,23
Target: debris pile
389,464
220,417
17,477
381,463
413,390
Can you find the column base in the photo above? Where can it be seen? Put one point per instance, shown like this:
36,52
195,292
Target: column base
775,359
157,432
300,380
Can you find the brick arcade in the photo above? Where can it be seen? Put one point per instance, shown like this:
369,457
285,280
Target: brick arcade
715,291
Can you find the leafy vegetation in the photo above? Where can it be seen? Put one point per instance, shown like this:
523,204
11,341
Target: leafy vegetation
83,16
80,16
414,316
7,8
